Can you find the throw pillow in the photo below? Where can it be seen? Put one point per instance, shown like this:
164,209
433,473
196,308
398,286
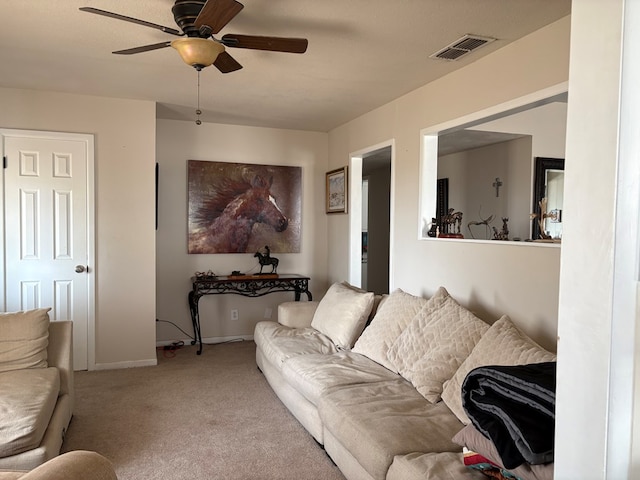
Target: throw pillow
503,344
342,313
434,345
392,317
24,339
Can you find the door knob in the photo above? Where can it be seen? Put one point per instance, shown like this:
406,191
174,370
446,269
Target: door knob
80,268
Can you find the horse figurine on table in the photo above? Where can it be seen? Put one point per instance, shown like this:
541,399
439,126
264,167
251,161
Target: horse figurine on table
225,220
267,259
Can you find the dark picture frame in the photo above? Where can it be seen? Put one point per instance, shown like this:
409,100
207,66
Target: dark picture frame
337,191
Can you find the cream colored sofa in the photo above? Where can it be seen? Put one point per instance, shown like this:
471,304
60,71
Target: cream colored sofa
76,465
384,400
36,387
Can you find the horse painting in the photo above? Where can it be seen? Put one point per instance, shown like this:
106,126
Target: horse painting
224,220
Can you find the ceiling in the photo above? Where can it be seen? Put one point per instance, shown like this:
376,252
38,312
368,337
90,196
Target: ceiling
361,55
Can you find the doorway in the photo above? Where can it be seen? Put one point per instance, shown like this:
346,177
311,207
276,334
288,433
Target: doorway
47,240
370,184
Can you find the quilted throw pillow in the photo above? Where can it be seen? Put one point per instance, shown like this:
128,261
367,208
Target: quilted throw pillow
24,339
342,313
434,345
503,344
392,317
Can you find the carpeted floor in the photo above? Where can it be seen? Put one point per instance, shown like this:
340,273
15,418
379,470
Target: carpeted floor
194,417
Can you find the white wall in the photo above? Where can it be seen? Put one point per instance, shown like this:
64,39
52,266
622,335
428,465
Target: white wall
547,125
471,175
598,317
491,279
124,188
179,141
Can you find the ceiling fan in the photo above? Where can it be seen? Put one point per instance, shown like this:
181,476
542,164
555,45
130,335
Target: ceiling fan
199,20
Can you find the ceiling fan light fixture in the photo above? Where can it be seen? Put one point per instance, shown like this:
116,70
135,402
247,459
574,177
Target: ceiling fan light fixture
198,52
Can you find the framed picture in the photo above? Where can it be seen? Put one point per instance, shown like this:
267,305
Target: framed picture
336,191
240,207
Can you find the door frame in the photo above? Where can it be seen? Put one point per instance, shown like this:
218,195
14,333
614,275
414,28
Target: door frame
88,140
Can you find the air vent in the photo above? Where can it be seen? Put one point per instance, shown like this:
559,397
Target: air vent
461,47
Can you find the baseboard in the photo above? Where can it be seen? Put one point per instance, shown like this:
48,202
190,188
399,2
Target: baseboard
212,340
234,338
151,362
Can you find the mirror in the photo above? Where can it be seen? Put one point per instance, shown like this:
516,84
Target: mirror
548,197
488,164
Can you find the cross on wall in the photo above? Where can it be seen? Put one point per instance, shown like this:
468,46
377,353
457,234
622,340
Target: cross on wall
497,184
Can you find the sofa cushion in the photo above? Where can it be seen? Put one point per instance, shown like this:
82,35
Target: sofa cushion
6,475
377,421
313,375
278,342
28,399
434,345
431,466
471,438
296,314
342,313
24,339
503,344
392,317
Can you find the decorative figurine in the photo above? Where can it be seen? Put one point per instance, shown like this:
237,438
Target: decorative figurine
483,221
504,234
451,225
208,275
433,231
542,216
267,259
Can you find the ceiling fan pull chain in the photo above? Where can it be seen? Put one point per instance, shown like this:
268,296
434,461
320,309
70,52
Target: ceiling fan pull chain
198,111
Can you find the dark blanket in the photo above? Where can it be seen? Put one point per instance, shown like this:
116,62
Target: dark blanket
514,407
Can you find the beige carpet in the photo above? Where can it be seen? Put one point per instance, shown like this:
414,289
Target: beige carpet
194,417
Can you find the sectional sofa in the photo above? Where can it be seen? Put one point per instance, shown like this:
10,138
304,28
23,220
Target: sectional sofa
76,465
377,381
36,387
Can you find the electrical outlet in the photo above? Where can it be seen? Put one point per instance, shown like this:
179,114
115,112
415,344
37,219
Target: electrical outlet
267,313
234,314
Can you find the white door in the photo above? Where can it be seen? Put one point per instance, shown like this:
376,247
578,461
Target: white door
46,237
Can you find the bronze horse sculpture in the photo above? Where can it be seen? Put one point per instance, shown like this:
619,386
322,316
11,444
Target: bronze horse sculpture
267,259
225,220
451,222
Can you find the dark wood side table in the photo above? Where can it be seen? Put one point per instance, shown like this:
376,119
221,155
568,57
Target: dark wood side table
245,285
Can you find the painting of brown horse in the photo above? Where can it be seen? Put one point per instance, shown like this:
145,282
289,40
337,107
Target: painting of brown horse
233,207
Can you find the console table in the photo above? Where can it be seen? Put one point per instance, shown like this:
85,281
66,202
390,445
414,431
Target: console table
245,285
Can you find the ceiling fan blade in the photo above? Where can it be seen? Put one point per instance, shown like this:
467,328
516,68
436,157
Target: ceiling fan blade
117,16
144,48
275,44
226,63
217,13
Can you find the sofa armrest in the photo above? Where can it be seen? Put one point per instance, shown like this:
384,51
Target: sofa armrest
60,353
75,465
296,314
